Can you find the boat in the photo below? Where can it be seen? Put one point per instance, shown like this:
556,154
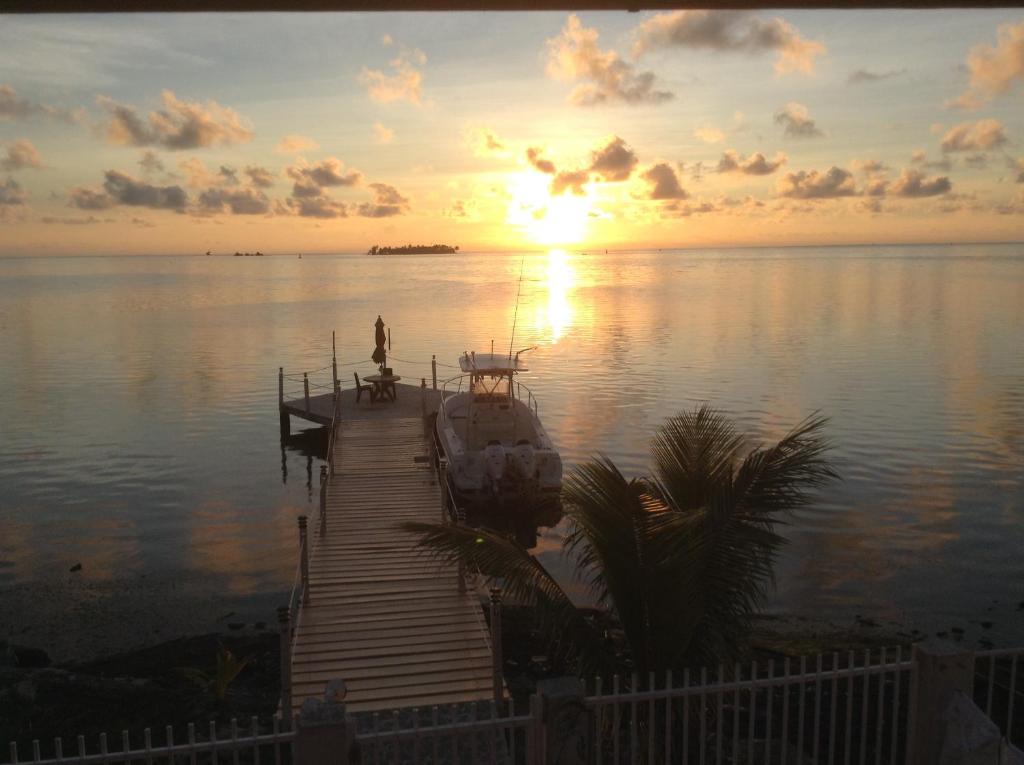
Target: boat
499,455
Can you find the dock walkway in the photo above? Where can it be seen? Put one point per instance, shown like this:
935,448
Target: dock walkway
382,616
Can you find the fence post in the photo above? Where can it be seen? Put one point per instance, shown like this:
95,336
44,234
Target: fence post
285,626
334,376
324,733
497,658
305,387
423,400
433,368
323,500
304,560
938,672
564,730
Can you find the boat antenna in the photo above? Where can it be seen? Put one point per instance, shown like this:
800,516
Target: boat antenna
515,315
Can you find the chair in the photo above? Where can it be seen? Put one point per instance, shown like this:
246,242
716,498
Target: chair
360,388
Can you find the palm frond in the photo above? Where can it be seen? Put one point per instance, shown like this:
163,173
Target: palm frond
524,580
694,453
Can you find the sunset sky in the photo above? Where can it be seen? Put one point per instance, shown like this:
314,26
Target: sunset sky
309,132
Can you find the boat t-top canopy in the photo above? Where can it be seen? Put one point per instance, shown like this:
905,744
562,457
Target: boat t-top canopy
491,363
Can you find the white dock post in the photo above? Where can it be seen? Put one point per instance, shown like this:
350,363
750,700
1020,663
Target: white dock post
323,500
497,670
285,627
304,552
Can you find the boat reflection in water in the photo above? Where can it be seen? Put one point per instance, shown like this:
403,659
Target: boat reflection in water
502,469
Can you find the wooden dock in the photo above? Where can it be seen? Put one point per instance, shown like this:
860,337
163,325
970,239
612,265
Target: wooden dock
381,615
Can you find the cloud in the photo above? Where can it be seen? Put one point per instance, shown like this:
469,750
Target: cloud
1019,166
293,144
259,177
387,202
729,31
614,161
150,162
834,183
405,83
974,136
977,161
755,164
241,201
574,55
569,180
179,125
994,69
862,76
12,194
20,155
921,159
382,134
533,156
664,183
14,107
709,134
912,183
797,121
51,220
318,207
89,199
486,143
311,179
197,175
870,166
125,190
463,209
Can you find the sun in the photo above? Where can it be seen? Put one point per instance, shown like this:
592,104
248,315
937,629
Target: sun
545,219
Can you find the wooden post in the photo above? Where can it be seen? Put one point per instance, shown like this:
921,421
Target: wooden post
423,399
286,423
334,376
938,672
323,500
285,626
433,368
305,386
497,663
304,560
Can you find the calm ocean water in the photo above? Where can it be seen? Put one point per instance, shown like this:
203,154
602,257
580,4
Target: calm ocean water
140,435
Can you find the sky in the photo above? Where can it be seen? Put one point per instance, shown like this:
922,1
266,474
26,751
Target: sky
285,133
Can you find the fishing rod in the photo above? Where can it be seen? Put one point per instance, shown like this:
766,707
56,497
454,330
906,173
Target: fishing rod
515,315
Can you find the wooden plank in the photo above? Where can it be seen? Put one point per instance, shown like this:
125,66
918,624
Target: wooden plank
384,615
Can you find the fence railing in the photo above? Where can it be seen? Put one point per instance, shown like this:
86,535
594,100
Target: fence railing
258,743
859,708
999,689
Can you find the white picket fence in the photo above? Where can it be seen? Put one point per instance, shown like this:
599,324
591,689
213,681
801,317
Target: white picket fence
836,709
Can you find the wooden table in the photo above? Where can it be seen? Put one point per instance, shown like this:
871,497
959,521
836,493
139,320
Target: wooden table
384,384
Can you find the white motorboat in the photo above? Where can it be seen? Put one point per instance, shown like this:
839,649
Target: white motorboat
496,447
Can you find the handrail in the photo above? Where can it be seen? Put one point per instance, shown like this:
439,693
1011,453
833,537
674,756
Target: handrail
531,399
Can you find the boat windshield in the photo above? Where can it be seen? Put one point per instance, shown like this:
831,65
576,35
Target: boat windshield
490,388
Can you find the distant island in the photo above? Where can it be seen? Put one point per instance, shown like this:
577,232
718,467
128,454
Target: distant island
414,249
256,254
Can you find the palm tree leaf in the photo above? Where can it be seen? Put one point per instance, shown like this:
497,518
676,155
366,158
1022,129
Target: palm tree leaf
694,453
524,580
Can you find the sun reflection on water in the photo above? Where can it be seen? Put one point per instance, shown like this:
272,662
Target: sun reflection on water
556,316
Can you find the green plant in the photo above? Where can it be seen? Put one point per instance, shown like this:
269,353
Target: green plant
682,558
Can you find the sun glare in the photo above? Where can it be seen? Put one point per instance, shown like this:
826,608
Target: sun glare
545,219
557,314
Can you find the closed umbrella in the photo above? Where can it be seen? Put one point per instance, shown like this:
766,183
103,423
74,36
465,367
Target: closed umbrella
380,356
